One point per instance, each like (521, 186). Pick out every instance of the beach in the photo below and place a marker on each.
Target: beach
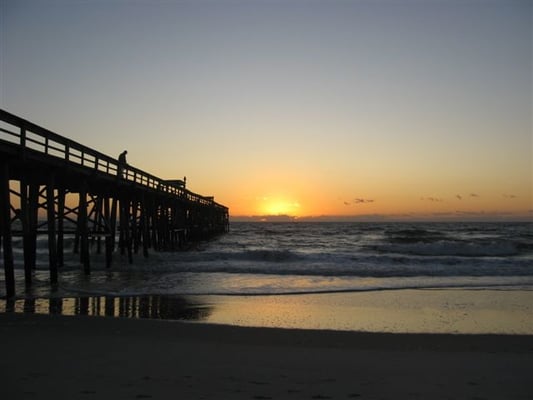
(284, 311)
(68, 357)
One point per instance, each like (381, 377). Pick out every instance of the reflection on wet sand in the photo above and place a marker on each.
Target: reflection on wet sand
(153, 307)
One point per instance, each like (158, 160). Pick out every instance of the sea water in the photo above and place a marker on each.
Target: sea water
(377, 277)
(261, 258)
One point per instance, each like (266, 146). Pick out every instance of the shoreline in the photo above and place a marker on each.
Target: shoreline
(397, 311)
(74, 357)
(62, 326)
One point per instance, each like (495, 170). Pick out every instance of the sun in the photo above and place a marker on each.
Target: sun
(279, 206)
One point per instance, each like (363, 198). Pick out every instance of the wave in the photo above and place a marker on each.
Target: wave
(226, 284)
(415, 235)
(454, 248)
(269, 255)
(337, 265)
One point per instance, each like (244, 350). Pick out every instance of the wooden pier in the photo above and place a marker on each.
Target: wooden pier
(52, 185)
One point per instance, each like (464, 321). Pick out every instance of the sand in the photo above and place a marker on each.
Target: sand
(393, 311)
(66, 357)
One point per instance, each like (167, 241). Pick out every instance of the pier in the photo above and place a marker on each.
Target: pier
(51, 185)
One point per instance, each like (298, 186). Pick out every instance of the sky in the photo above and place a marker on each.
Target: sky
(384, 109)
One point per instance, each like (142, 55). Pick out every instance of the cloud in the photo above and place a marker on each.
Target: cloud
(459, 197)
(510, 196)
(474, 195)
(459, 212)
(432, 199)
(360, 200)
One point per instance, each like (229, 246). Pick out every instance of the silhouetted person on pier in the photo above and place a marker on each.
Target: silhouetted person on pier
(122, 163)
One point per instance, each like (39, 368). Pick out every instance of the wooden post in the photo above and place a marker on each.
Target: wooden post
(153, 216)
(51, 219)
(110, 232)
(134, 227)
(98, 223)
(172, 227)
(122, 226)
(83, 230)
(5, 223)
(127, 233)
(160, 227)
(165, 228)
(33, 215)
(145, 227)
(113, 222)
(26, 231)
(61, 193)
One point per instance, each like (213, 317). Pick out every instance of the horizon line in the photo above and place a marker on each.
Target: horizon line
(442, 217)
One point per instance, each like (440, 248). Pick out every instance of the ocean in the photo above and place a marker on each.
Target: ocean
(260, 258)
(282, 260)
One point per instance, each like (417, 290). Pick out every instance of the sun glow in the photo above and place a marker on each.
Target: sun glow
(279, 206)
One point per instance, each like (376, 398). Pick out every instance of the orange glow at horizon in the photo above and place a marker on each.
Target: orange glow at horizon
(393, 202)
(279, 206)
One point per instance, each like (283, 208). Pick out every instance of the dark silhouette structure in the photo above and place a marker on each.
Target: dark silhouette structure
(87, 194)
(122, 163)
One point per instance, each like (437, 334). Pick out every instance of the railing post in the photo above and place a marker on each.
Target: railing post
(23, 140)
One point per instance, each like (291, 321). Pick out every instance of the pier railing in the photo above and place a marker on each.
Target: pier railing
(28, 136)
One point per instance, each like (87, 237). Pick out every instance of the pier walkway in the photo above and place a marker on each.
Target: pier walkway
(51, 185)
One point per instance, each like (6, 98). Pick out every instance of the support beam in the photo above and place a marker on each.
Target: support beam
(97, 225)
(51, 222)
(122, 226)
(110, 232)
(26, 232)
(144, 226)
(83, 230)
(135, 238)
(61, 193)
(127, 233)
(33, 215)
(5, 223)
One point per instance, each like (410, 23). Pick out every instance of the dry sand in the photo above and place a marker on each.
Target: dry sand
(54, 357)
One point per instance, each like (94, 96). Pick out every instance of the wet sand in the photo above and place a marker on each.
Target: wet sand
(457, 311)
(67, 357)
(483, 311)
